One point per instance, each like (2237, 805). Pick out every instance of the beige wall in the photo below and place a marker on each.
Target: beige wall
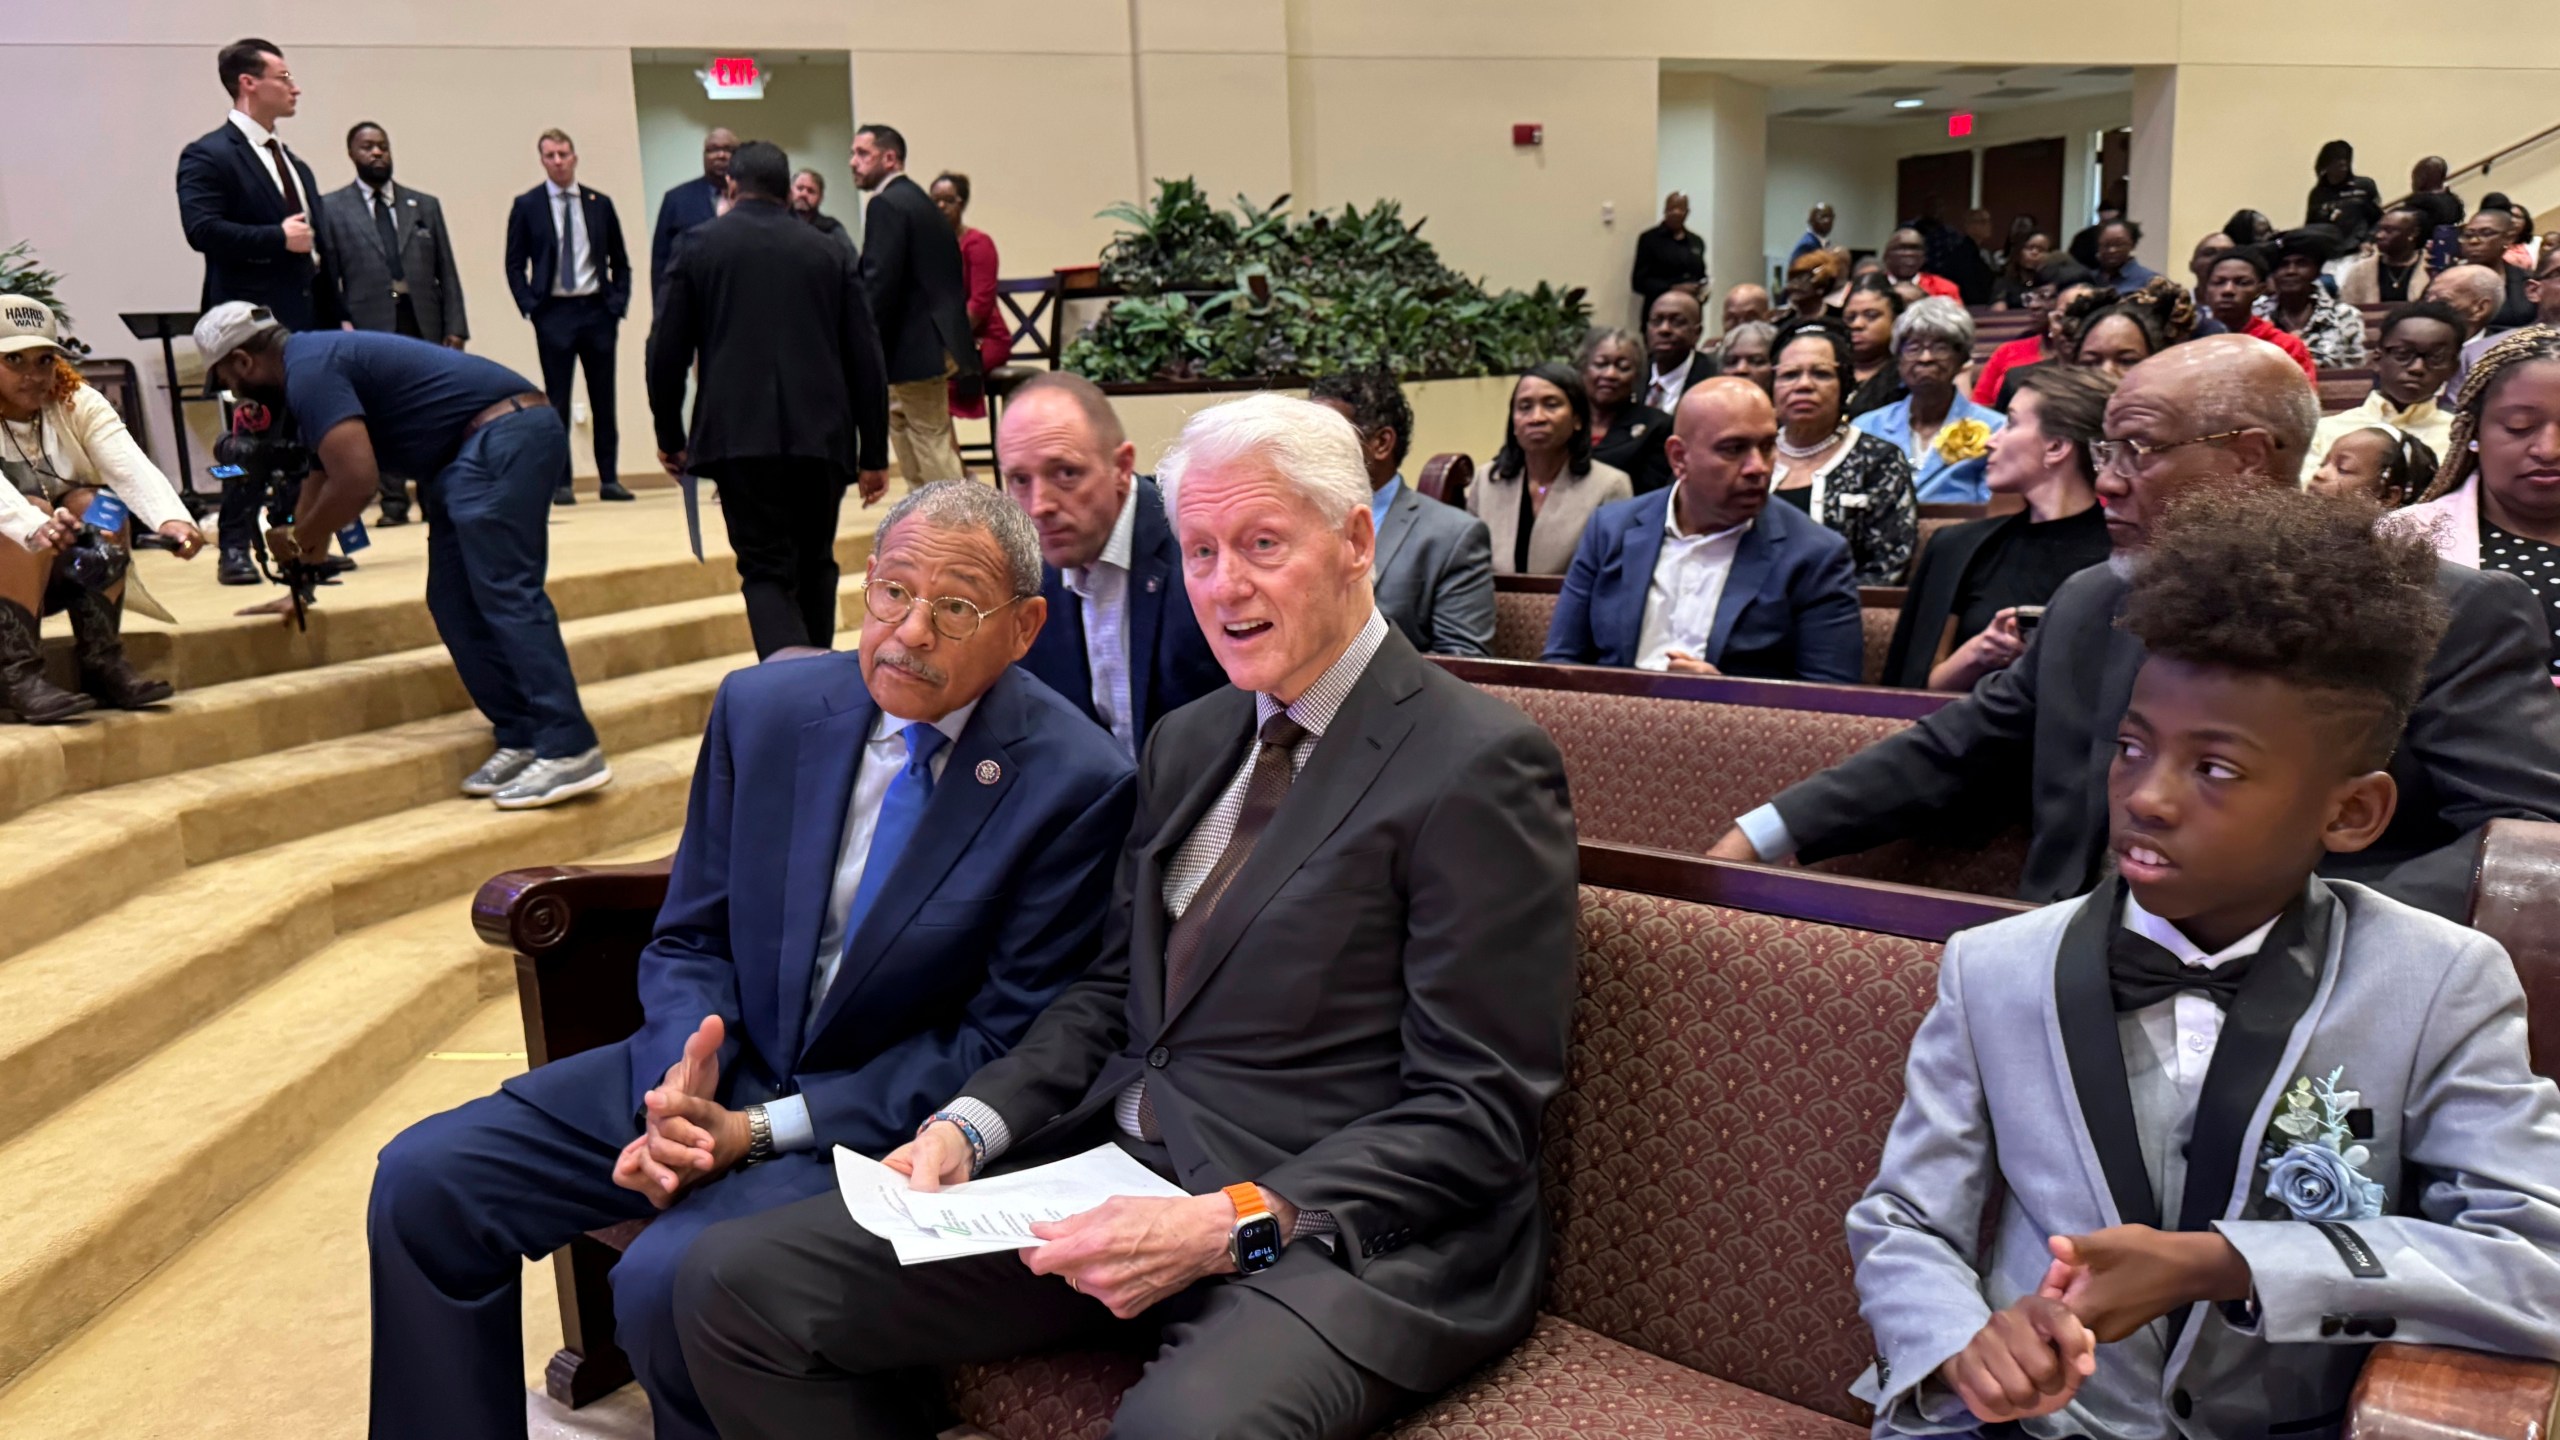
(1713, 142)
(1060, 107)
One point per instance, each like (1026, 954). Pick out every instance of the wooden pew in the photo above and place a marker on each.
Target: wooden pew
(1879, 610)
(1524, 606)
(1736, 1058)
(1626, 733)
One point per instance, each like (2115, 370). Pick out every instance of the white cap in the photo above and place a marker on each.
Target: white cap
(228, 326)
(26, 325)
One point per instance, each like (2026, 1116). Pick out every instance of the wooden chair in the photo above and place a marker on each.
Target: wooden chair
(1032, 312)
(1445, 478)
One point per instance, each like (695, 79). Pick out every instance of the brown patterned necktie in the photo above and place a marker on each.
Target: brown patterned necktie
(1273, 771)
(285, 179)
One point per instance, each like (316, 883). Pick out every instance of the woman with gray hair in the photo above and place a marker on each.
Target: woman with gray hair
(1750, 351)
(1945, 436)
(1628, 433)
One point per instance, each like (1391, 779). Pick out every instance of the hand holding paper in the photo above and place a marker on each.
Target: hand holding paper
(987, 1216)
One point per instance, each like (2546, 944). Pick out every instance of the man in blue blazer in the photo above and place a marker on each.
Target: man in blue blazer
(1122, 643)
(690, 203)
(892, 862)
(571, 277)
(1707, 577)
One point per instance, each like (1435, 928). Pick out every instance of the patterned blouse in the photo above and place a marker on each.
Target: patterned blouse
(2532, 561)
(1867, 497)
(2334, 333)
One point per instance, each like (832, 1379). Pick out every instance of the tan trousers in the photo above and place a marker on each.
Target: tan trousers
(920, 432)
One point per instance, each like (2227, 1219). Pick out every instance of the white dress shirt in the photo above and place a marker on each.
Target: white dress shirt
(2184, 1029)
(582, 263)
(883, 756)
(1687, 587)
(1663, 391)
(286, 182)
(1102, 595)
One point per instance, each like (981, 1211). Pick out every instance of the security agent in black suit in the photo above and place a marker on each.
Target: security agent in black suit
(789, 404)
(394, 264)
(693, 202)
(1336, 976)
(574, 284)
(1121, 641)
(920, 295)
(2037, 737)
(251, 207)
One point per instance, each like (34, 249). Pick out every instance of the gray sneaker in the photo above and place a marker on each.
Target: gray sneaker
(548, 782)
(495, 772)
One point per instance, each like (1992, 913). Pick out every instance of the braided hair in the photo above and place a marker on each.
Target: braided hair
(2516, 347)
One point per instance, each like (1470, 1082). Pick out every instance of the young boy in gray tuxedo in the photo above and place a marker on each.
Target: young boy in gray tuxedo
(2243, 1122)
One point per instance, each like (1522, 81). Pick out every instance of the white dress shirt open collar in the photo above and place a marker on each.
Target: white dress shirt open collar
(1102, 595)
(1117, 550)
(1686, 590)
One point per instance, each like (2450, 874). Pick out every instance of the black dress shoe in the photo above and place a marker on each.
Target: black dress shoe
(391, 518)
(336, 564)
(564, 496)
(236, 568)
(613, 490)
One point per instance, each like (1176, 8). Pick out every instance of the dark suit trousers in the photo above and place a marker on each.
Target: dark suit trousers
(798, 1322)
(781, 513)
(569, 331)
(461, 1200)
(487, 553)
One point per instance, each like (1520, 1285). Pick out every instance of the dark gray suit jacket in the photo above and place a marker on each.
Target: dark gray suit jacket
(2037, 737)
(1378, 1017)
(426, 262)
(1434, 575)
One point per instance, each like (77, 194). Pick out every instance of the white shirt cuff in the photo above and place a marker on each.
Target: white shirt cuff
(1767, 833)
(788, 1116)
(990, 1125)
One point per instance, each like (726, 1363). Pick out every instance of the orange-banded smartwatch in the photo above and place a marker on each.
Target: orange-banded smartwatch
(1254, 1243)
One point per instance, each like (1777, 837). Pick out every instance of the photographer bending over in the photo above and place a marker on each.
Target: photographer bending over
(59, 442)
(489, 451)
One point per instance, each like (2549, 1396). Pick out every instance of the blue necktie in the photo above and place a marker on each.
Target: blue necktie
(900, 811)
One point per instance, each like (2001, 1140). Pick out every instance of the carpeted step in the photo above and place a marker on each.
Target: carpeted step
(79, 857)
(125, 1165)
(103, 996)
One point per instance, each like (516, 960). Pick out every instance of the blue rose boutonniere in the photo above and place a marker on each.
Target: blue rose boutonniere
(2314, 1165)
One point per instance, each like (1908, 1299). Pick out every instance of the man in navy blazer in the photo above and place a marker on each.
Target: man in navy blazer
(1122, 642)
(690, 203)
(892, 862)
(1707, 577)
(575, 288)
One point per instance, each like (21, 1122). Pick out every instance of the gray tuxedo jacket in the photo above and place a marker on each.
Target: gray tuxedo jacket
(1434, 575)
(2018, 1076)
(426, 260)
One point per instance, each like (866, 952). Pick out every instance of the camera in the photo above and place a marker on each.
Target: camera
(97, 559)
(2029, 617)
(262, 452)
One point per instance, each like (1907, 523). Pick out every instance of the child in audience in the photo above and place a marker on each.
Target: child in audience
(2243, 1122)
(2378, 463)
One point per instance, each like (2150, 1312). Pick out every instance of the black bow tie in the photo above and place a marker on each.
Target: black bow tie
(2143, 972)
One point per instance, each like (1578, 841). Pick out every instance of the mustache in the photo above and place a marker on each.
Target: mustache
(899, 658)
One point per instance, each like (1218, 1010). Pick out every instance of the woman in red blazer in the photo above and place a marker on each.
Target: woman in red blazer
(950, 191)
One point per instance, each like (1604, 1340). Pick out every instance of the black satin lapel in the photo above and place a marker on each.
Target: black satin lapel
(2256, 1032)
(2085, 1007)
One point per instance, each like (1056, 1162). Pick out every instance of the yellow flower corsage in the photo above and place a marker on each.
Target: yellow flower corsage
(1964, 440)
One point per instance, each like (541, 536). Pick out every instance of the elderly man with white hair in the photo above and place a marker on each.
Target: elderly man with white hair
(2036, 738)
(1331, 1007)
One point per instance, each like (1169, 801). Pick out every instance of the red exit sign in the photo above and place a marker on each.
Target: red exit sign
(733, 77)
(1960, 125)
(733, 70)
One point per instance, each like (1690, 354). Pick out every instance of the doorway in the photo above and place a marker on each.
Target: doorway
(2024, 179)
(1940, 185)
(806, 108)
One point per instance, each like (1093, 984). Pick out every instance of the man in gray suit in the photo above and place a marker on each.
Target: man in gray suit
(2245, 1120)
(1330, 1005)
(1434, 574)
(394, 264)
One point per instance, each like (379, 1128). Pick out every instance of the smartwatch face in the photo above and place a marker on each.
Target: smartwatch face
(1256, 1244)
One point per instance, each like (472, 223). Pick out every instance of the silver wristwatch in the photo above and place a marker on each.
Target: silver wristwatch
(759, 1138)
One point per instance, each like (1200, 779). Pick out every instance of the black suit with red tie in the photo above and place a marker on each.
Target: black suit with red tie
(234, 212)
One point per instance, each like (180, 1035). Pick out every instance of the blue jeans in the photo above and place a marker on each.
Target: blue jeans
(488, 545)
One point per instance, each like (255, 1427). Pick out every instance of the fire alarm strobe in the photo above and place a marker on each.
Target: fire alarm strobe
(1528, 134)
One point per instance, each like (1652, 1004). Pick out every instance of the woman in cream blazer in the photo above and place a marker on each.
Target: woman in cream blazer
(1543, 486)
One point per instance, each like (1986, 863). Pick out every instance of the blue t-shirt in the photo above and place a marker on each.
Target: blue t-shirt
(413, 397)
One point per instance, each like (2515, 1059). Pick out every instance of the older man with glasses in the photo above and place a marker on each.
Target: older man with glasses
(891, 863)
(2226, 410)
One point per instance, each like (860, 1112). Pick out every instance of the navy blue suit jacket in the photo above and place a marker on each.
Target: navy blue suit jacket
(996, 904)
(1170, 664)
(679, 210)
(234, 216)
(533, 248)
(1790, 605)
